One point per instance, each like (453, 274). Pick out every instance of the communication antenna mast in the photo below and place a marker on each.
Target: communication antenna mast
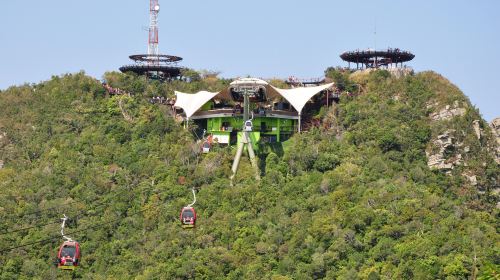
(153, 64)
(154, 10)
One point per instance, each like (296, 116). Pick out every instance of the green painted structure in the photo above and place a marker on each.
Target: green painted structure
(226, 124)
(275, 114)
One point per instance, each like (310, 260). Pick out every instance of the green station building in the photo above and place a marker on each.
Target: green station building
(274, 113)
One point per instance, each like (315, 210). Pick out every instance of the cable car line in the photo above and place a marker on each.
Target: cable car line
(86, 214)
(28, 228)
(86, 228)
(29, 244)
(55, 207)
(77, 231)
(49, 223)
(57, 221)
(43, 210)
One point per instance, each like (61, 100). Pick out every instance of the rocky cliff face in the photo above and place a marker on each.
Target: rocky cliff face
(448, 112)
(461, 144)
(444, 153)
(3, 140)
(495, 127)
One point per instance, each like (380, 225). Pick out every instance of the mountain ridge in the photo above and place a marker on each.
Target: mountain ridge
(353, 198)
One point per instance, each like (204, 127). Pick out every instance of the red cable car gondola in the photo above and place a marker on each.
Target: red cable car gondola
(68, 256)
(205, 148)
(188, 217)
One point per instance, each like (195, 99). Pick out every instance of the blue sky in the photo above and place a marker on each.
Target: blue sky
(273, 38)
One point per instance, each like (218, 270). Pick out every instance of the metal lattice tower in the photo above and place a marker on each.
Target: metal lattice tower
(154, 10)
(153, 64)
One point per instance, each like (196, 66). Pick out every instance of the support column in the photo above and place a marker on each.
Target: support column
(251, 154)
(237, 158)
(245, 140)
(278, 129)
(246, 108)
(299, 121)
(327, 95)
(239, 152)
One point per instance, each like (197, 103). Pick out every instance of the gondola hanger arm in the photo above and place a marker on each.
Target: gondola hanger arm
(62, 228)
(194, 199)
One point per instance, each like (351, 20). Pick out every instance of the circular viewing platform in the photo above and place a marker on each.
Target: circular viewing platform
(160, 66)
(161, 58)
(377, 58)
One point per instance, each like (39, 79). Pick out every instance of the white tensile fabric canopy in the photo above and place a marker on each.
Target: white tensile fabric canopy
(249, 81)
(191, 103)
(298, 97)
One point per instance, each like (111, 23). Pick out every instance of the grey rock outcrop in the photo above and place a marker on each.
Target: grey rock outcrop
(477, 129)
(443, 155)
(397, 72)
(3, 143)
(447, 112)
(471, 178)
(495, 127)
(2, 136)
(400, 72)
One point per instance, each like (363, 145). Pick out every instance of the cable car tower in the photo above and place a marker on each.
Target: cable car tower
(247, 90)
(153, 64)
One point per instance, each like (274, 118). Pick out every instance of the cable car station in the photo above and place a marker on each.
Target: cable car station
(274, 114)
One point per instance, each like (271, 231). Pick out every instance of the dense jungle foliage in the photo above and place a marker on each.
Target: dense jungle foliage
(351, 199)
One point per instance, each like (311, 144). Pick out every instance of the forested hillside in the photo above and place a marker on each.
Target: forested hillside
(355, 198)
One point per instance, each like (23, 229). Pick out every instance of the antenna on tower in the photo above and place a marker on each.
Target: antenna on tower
(154, 10)
(153, 64)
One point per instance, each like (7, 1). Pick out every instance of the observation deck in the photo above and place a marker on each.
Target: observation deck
(377, 58)
(160, 66)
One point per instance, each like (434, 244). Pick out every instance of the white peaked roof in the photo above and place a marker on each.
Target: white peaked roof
(191, 103)
(247, 81)
(298, 97)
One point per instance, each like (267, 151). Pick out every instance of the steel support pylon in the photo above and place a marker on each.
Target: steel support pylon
(245, 141)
